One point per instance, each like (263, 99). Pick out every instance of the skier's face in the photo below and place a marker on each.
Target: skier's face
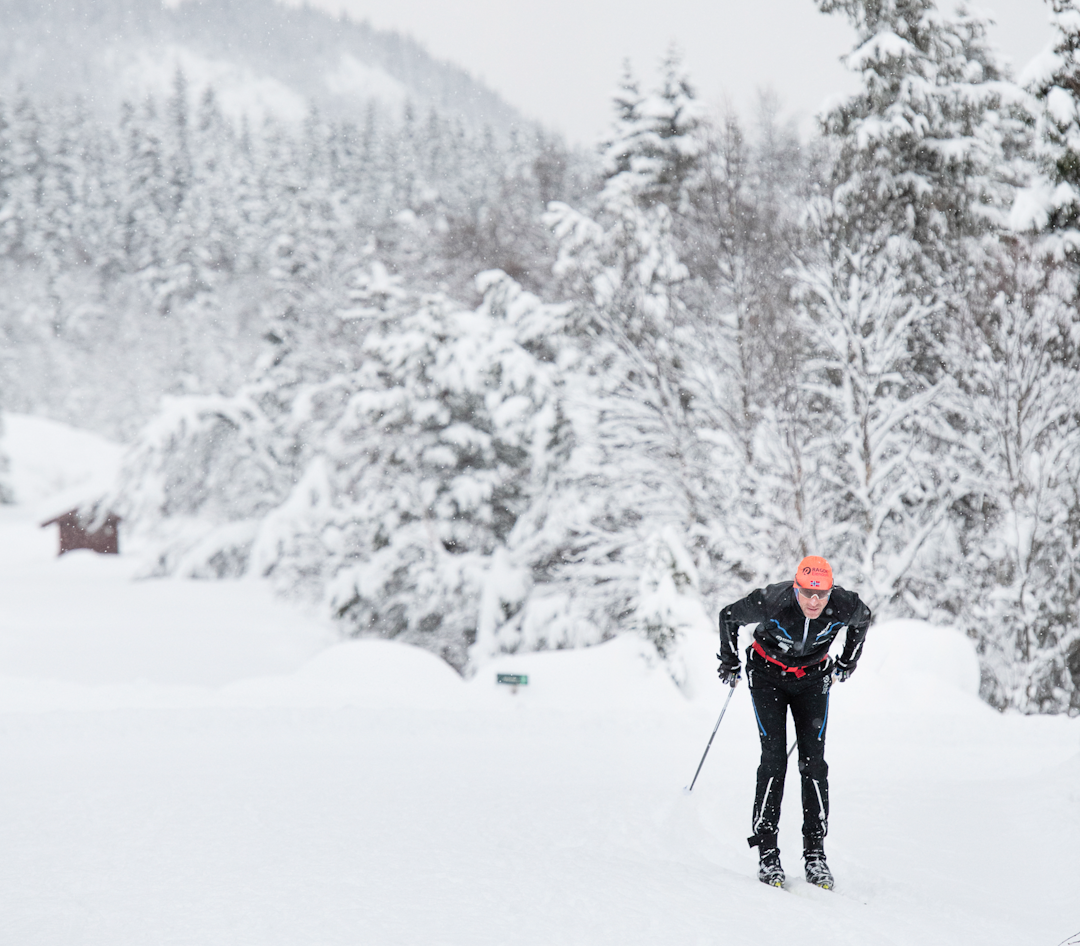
(812, 601)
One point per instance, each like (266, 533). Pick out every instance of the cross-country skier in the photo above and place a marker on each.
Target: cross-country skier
(788, 666)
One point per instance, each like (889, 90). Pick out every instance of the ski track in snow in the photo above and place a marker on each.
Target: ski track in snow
(196, 763)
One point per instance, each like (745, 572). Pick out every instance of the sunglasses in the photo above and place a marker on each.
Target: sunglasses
(822, 594)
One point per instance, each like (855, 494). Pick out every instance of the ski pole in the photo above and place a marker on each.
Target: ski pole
(716, 727)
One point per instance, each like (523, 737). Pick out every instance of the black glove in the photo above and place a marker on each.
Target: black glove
(730, 671)
(842, 670)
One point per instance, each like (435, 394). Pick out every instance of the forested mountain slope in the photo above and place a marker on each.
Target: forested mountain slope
(259, 54)
(173, 180)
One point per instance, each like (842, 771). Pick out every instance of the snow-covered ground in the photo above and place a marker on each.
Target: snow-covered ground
(196, 763)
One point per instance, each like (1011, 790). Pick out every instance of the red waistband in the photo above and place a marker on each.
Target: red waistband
(798, 671)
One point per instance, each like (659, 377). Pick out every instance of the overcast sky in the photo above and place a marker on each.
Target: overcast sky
(560, 60)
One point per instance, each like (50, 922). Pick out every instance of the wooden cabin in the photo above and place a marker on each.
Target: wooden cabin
(87, 532)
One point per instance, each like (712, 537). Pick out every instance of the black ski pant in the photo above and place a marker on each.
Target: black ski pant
(773, 694)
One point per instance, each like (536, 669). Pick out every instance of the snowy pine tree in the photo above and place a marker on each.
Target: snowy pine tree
(658, 471)
(446, 443)
(921, 144)
(1050, 204)
(655, 152)
(737, 239)
(921, 182)
(617, 151)
(871, 437)
(1015, 531)
(1021, 392)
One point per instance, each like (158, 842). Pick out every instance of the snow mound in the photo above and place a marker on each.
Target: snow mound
(624, 672)
(904, 648)
(361, 673)
(911, 666)
(52, 463)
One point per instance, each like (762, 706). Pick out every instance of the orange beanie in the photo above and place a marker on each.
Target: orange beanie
(813, 572)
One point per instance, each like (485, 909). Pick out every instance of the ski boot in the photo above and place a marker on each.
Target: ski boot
(817, 870)
(769, 870)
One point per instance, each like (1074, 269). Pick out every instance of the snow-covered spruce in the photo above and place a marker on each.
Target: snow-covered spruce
(1050, 203)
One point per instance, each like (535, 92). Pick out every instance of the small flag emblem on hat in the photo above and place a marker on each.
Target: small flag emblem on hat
(814, 572)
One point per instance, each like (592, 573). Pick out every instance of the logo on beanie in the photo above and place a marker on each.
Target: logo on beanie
(814, 572)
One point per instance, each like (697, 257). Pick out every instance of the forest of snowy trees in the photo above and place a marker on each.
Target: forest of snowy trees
(460, 386)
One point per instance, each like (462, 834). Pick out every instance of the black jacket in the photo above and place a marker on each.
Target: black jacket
(788, 635)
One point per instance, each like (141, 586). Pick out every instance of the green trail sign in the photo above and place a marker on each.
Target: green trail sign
(512, 679)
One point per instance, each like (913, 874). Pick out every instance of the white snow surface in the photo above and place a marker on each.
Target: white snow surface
(194, 762)
(242, 92)
(356, 79)
(239, 90)
(53, 463)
